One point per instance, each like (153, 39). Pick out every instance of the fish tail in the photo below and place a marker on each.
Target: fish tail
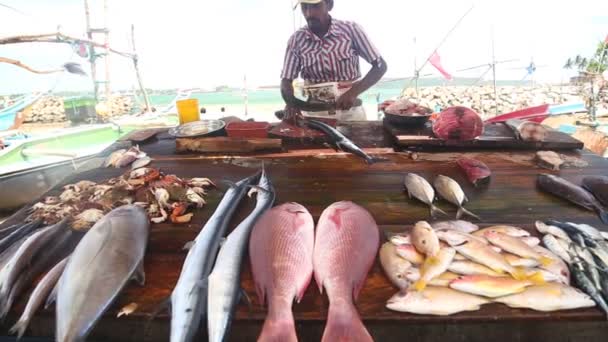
(462, 211)
(344, 324)
(19, 328)
(420, 285)
(278, 330)
(520, 273)
(435, 210)
(432, 260)
(603, 215)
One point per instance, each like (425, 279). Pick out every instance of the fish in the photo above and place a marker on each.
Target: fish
(485, 255)
(107, 257)
(344, 227)
(189, 297)
(443, 280)
(113, 158)
(418, 188)
(584, 283)
(139, 163)
(546, 276)
(401, 239)
(476, 171)
(471, 268)
(459, 225)
(23, 258)
(517, 261)
(38, 297)
(281, 252)
(341, 142)
(507, 230)
(451, 191)
(396, 268)
(410, 253)
(590, 266)
(432, 268)
(439, 301)
(19, 233)
(224, 280)
(551, 242)
(487, 286)
(598, 186)
(454, 237)
(571, 192)
(548, 297)
(424, 239)
(531, 241)
(553, 230)
(515, 246)
(557, 267)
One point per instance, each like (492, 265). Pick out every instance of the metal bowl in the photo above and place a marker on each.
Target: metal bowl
(407, 120)
(197, 129)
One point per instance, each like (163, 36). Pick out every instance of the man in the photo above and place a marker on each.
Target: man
(328, 50)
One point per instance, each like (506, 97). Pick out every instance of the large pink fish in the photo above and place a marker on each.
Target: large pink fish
(281, 247)
(346, 244)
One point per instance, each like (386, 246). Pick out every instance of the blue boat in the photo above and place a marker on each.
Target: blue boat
(7, 115)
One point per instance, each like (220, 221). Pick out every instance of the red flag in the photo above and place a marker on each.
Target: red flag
(435, 60)
(606, 40)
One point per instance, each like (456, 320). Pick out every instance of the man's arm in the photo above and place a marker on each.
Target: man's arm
(366, 49)
(349, 98)
(293, 102)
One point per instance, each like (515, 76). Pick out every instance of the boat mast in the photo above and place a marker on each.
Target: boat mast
(93, 55)
(494, 72)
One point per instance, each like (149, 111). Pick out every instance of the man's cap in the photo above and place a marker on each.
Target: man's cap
(312, 2)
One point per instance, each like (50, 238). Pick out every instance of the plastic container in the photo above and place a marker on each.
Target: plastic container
(187, 111)
(248, 129)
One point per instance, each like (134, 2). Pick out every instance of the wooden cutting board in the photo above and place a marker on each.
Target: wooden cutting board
(227, 145)
(495, 136)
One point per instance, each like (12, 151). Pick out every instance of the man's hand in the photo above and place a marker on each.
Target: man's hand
(347, 101)
(292, 115)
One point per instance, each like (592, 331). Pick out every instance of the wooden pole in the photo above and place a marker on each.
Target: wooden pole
(137, 73)
(57, 37)
(107, 50)
(92, 53)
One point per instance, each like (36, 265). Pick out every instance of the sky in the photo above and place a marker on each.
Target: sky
(185, 43)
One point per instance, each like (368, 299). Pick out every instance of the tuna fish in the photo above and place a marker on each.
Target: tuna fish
(346, 244)
(102, 264)
(418, 188)
(281, 252)
(564, 189)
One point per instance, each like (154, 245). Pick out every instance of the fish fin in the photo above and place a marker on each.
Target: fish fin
(140, 276)
(432, 260)
(545, 261)
(19, 328)
(344, 324)
(340, 148)
(279, 329)
(52, 297)
(537, 278)
(463, 211)
(244, 296)
(435, 210)
(188, 246)
(335, 148)
(419, 285)
(256, 188)
(603, 215)
(520, 273)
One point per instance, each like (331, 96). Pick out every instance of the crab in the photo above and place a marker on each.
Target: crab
(201, 182)
(177, 214)
(193, 197)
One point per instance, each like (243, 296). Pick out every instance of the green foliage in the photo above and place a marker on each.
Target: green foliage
(596, 64)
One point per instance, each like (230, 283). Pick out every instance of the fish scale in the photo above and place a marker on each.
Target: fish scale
(281, 250)
(340, 271)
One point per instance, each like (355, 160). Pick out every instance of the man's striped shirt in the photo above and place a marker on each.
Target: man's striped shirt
(333, 58)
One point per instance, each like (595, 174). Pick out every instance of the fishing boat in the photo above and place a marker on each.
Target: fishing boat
(7, 115)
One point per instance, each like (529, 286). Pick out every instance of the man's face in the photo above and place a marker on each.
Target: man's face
(316, 14)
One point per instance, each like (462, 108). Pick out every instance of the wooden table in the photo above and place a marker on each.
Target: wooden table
(317, 178)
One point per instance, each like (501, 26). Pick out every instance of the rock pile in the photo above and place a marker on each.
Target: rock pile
(46, 110)
(116, 106)
(482, 98)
